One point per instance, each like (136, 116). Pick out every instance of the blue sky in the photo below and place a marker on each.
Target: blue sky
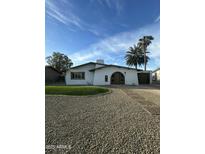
(86, 30)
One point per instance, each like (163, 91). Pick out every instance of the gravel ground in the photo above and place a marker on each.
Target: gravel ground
(112, 123)
(147, 96)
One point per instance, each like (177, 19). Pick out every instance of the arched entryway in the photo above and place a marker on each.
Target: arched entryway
(117, 78)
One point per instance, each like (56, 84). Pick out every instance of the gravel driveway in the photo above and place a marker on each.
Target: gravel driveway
(112, 123)
(147, 96)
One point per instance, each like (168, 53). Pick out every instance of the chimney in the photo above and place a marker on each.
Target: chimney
(100, 61)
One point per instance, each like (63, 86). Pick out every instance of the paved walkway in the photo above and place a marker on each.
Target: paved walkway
(113, 123)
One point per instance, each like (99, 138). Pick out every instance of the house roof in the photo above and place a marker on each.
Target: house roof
(114, 66)
(53, 69)
(156, 69)
(85, 64)
(105, 65)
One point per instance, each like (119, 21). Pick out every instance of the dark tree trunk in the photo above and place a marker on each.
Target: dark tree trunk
(136, 67)
(145, 60)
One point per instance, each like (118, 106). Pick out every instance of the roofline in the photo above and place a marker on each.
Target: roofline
(156, 69)
(87, 64)
(115, 66)
(82, 65)
(105, 65)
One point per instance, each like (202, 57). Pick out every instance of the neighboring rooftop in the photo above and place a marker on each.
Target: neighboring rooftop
(156, 69)
(47, 66)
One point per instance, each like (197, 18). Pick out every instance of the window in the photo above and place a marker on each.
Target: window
(77, 75)
(106, 78)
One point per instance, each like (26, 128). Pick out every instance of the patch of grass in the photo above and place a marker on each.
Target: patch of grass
(74, 90)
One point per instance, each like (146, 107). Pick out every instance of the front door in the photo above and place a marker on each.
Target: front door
(117, 78)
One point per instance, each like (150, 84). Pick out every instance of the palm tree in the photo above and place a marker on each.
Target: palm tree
(134, 56)
(143, 44)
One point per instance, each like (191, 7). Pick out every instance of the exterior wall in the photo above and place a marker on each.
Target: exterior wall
(130, 76)
(88, 75)
(150, 77)
(156, 75)
(51, 75)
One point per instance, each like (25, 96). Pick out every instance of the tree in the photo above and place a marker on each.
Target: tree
(143, 44)
(59, 61)
(134, 56)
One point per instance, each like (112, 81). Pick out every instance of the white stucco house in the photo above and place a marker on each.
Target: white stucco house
(156, 75)
(98, 73)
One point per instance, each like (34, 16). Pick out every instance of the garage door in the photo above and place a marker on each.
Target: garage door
(144, 78)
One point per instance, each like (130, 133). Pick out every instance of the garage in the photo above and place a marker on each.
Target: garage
(144, 78)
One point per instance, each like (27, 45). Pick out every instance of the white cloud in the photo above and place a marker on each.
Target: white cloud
(79, 57)
(157, 19)
(73, 21)
(108, 3)
(67, 18)
(111, 4)
(112, 49)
